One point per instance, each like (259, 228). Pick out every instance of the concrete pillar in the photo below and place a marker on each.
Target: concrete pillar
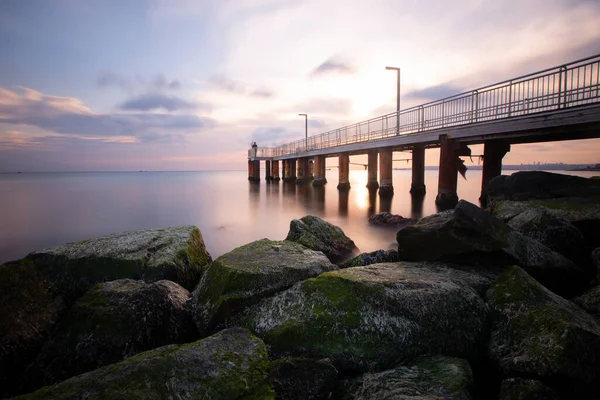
(275, 169)
(386, 187)
(372, 170)
(254, 169)
(450, 150)
(319, 169)
(303, 175)
(292, 170)
(268, 175)
(417, 188)
(249, 170)
(493, 152)
(289, 170)
(311, 169)
(344, 171)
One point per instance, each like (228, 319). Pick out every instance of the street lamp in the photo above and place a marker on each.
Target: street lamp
(397, 99)
(305, 131)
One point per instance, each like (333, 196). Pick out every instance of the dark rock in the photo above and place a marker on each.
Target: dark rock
(392, 220)
(590, 301)
(30, 306)
(374, 257)
(249, 273)
(320, 235)
(177, 254)
(231, 364)
(303, 379)
(525, 389)
(538, 334)
(469, 235)
(596, 262)
(428, 378)
(111, 322)
(375, 316)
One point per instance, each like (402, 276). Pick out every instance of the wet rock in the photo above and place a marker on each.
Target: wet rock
(469, 235)
(590, 301)
(538, 334)
(596, 262)
(30, 306)
(375, 316)
(374, 257)
(320, 235)
(177, 254)
(303, 379)
(428, 378)
(111, 322)
(391, 220)
(249, 273)
(525, 389)
(231, 364)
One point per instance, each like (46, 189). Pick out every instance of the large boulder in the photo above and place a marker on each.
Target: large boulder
(320, 235)
(177, 254)
(528, 185)
(111, 322)
(470, 235)
(525, 389)
(249, 273)
(429, 378)
(231, 364)
(30, 306)
(303, 379)
(390, 220)
(538, 334)
(375, 316)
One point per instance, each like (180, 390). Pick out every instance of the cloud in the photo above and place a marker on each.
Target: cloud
(267, 136)
(156, 101)
(434, 92)
(240, 88)
(321, 106)
(332, 67)
(159, 82)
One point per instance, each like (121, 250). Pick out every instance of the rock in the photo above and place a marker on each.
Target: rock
(429, 378)
(249, 273)
(538, 334)
(525, 389)
(320, 235)
(393, 220)
(177, 254)
(596, 262)
(30, 306)
(303, 379)
(111, 322)
(554, 233)
(231, 364)
(528, 185)
(374, 257)
(590, 301)
(469, 235)
(375, 316)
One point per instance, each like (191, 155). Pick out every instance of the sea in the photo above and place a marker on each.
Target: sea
(40, 210)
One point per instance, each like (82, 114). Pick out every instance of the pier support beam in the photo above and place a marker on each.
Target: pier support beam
(254, 170)
(417, 188)
(493, 153)
(344, 171)
(275, 169)
(319, 170)
(268, 175)
(450, 150)
(303, 173)
(372, 183)
(385, 173)
(249, 169)
(289, 170)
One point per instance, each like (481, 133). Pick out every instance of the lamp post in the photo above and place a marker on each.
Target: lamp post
(397, 98)
(305, 131)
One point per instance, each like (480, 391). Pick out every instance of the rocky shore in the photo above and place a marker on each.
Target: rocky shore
(497, 303)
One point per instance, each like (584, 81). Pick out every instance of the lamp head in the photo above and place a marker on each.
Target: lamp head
(392, 68)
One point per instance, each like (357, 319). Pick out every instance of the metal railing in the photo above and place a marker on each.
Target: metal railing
(573, 84)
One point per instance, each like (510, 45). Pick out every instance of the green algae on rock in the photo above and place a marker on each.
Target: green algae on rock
(538, 334)
(303, 379)
(429, 378)
(525, 389)
(113, 321)
(231, 364)
(177, 254)
(374, 316)
(320, 235)
(30, 306)
(247, 274)
(374, 257)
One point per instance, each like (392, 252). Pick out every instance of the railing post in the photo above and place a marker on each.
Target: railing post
(443, 112)
(509, 97)
(564, 104)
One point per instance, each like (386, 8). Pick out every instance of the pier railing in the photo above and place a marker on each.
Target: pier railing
(573, 84)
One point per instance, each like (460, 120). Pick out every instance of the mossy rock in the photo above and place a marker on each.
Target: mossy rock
(429, 378)
(470, 235)
(320, 235)
(113, 321)
(375, 316)
(30, 306)
(249, 273)
(231, 364)
(303, 379)
(538, 334)
(525, 389)
(177, 254)
(374, 257)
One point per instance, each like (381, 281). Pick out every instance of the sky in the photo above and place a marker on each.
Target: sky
(102, 85)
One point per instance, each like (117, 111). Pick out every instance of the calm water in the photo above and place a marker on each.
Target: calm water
(41, 210)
